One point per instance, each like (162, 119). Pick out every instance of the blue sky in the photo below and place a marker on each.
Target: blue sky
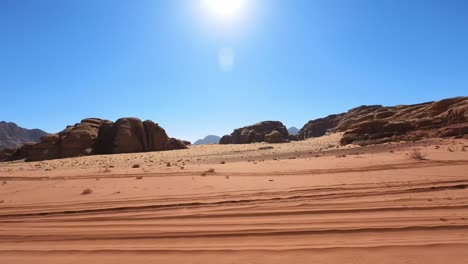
(289, 60)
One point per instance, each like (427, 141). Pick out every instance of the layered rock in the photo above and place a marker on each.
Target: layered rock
(267, 131)
(98, 136)
(377, 124)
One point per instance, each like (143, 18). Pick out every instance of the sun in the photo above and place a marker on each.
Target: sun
(225, 9)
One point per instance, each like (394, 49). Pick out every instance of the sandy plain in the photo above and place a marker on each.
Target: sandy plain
(301, 202)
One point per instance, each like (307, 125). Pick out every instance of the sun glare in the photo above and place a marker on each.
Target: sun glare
(225, 9)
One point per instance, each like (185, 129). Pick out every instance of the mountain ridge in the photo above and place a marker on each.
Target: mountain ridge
(210, 139)
(12, 135)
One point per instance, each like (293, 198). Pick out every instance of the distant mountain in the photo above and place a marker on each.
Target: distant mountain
(11, 135)
(293, 131)
(211, 139)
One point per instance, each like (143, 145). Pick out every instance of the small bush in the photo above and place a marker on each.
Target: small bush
(139, 177)
(417, 155)
(266, 147)
(135, 166)
(86, 191)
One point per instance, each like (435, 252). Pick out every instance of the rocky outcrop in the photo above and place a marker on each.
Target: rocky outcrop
(226, 139)
(319, 127)
(274, 137)
(98, 136)
(267, 131)
(374, 124)
(12, 136)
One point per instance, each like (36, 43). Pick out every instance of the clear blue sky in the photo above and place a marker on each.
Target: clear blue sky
(65, 60)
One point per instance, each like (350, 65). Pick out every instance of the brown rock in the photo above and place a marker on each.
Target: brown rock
(130, 136)
(256, 133)
(225, 140)
(377, 124)
(77, 140)
(174, 143)
(7, 153)
(97, 136)
(156, 136)
(274, 137)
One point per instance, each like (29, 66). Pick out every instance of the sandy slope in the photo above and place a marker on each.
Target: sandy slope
(289, 204)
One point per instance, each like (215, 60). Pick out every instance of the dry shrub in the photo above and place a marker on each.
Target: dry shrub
(135, 166)
(86, 191)
(416, 154)
(223, 162)
(139, 177)
(266, 147)
(207, 172)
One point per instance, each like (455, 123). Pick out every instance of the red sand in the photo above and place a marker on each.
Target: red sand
(284, 205)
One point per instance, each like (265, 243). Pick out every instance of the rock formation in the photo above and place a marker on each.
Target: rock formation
(97, 136)
(11, 135)
(267, 131)
(211, 139)
(375, 124)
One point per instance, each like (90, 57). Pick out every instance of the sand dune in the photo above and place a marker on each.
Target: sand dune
(289, 204)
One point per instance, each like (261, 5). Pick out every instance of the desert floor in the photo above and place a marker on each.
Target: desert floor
(301, 202)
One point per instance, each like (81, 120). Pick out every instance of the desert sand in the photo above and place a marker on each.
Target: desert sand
(302, 202)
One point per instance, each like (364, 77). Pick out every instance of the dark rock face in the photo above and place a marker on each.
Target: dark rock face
(12, 136)
(260, 132)
(211, 139)
(318, 127)
(130, 136)
(80, 139)
(375, 124)
(225, 140)
(6, 153)
(274, 137)
(98, 136)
